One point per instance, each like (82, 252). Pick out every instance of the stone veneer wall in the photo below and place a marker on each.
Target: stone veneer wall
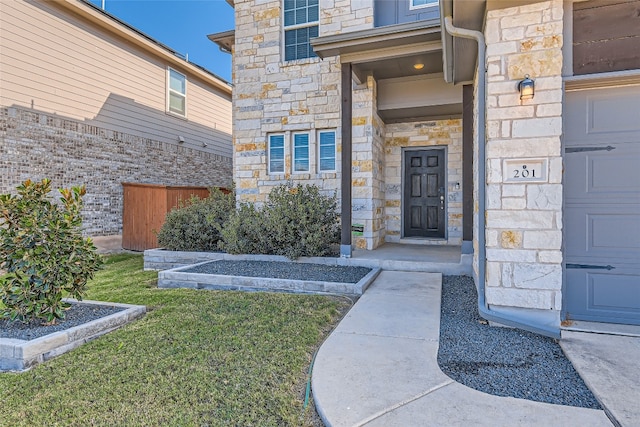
(524, 219)
(274, 96)
(368, 179)
(429, 134)
(36, 145)
(343, 16)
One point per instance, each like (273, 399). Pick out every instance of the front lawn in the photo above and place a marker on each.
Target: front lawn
(197, 358)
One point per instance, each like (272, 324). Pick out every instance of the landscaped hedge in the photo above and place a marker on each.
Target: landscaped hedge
(196, 224)
(296, 220)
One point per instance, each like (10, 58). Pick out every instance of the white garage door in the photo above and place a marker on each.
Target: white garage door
(602, 204)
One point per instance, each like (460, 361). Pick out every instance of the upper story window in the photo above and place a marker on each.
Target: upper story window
(300, 26)
(418, 4)
(177, 93)
(276, 153)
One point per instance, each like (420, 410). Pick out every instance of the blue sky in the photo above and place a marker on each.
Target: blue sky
(182, 25)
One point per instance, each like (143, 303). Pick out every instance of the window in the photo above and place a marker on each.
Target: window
(327, 157)
(301, 152)
(300, 25)
(276, 154)
(418, 4)
(177, 93)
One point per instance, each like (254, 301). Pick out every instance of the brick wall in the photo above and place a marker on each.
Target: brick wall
(36, 145)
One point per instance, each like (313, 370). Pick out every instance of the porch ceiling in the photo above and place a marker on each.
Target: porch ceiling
(387, 52)
(391, 53)
(429, 112)
(402, 66)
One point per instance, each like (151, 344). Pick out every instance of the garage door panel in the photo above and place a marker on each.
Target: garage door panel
(602, 205)
(612, 296)
(612, 113)
(595, 116)
(601, 175)
(594, 231)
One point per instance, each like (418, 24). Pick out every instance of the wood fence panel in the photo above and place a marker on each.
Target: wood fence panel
(144, 209)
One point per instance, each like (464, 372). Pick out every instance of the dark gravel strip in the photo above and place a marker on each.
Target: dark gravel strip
(502, 361)
(78, 314)
(283, 270)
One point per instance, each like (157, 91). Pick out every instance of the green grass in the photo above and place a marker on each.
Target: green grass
(196, 358)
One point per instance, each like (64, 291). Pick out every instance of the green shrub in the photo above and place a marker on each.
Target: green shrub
(196, 224)
(43, 252)
(295, 221)
(244, 232)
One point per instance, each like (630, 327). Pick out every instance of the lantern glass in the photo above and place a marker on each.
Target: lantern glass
(526, 88)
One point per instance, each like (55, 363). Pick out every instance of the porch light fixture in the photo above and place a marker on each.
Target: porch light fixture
(526, 88)
(418, 65)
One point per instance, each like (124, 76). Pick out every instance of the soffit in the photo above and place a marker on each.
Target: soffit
(387, 52)
(225, 40)
(402, 66)
(432, 112)
(460, 55)
(390, 36)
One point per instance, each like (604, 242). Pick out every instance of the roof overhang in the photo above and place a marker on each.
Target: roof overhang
(386, 52)
(390, 36)
(390, 54)
(225, 40)
(115, 26)
(459, 56)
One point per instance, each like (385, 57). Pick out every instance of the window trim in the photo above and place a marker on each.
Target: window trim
(335, 151)
(173, 91)
(412, 6)
(294, 27)
(284, 160)
(293, 153)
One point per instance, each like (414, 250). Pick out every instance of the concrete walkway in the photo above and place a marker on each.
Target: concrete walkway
(610, 366)
(379, 368)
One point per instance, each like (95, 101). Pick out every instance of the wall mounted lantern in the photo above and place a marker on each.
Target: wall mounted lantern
(526, 88)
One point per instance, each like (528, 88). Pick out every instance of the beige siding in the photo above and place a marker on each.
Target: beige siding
(57, 63)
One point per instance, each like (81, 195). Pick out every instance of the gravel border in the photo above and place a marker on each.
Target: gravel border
(503, 361)
(78, 314)
(283, 270)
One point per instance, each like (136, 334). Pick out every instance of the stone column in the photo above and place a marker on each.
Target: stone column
(524, 213)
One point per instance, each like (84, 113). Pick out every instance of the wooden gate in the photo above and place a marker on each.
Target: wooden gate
(145, 208)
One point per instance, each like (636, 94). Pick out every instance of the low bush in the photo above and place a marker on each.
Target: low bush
(43, 252)
(296, 220)
(244, 232)
(196, 224)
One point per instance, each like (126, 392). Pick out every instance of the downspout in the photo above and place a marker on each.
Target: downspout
(483, 308)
